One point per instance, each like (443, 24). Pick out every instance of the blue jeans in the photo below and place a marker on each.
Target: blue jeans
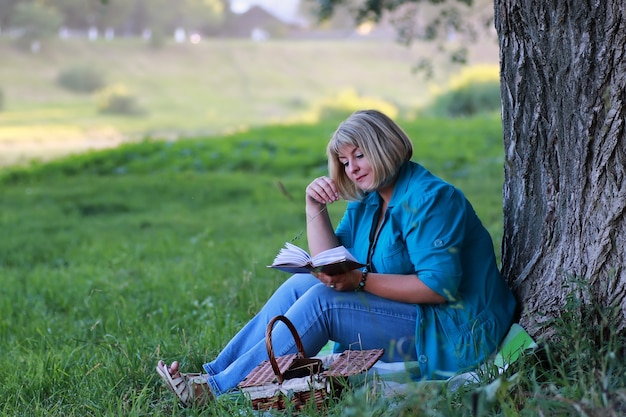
(356, 320)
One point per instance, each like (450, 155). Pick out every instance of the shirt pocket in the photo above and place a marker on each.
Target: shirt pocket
(394, 259)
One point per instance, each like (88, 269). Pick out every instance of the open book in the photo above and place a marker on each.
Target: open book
(333, 261)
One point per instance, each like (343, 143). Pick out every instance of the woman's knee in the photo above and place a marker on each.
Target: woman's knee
(294, 287)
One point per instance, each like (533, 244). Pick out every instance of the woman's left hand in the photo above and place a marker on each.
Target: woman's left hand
(348, 281)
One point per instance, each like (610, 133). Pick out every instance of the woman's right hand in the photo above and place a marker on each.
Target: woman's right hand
(322, 191)
(321, 235)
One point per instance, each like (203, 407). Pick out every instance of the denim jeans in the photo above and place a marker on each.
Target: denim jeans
(356, 320)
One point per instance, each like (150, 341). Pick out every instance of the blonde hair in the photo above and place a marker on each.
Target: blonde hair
(385, 145)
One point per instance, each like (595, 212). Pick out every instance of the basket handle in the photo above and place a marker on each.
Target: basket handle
(270, 348)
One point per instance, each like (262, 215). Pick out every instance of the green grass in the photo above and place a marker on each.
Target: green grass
(111, 260)
(107, 274)
(114, 259)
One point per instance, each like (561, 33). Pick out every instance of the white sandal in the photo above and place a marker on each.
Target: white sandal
(184, 386)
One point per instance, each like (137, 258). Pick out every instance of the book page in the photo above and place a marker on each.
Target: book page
(331, 256)
(292, 255)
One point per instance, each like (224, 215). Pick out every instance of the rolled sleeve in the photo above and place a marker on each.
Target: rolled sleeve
(435, 240)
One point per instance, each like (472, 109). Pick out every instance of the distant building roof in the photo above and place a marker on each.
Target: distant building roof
(256, 20)
(283, 10)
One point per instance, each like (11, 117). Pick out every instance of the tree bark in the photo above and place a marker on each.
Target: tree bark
(563, 78)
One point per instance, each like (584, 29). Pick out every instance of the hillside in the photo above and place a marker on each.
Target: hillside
(211, 87)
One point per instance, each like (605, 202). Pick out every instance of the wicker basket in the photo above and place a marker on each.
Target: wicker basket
(292, 381)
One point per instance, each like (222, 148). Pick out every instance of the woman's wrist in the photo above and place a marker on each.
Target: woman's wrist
(363, 278)
(312, 213)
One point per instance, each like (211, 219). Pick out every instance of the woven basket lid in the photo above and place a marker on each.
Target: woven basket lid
(353, 362)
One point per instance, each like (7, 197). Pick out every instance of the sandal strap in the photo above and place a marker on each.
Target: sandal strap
(184, 386)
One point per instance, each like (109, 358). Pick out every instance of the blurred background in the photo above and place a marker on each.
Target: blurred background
(91, 74)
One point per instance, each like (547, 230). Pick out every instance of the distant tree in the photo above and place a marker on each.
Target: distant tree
(192, 15)
(139, 18)
(451, 25)
(115, 16)
(77, 14)
(563, 92)
(130, 17)
(35, 22)
(6, 12)
(203, 15)
(85, 14)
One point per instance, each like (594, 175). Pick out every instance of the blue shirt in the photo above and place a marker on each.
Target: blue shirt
(430, 229)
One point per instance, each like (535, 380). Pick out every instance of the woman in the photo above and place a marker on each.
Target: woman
(431, 291)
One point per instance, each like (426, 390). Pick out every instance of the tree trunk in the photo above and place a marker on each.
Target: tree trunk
(563, 78)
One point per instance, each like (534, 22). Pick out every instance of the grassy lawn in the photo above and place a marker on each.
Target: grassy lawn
(111, 260)
(114, 259)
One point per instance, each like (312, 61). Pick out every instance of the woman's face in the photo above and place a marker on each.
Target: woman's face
(357, 167)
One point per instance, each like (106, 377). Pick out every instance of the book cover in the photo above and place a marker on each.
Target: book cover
(334, 261)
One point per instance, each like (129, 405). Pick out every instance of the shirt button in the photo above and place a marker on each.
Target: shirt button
(438, 243)
(422, 359)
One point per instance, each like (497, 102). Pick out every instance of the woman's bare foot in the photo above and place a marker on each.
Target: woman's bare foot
(173, 369)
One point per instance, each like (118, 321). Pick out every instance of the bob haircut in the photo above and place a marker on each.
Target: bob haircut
(385, 145)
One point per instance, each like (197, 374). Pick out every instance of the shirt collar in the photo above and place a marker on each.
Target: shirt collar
(399, 188)
(402, 182)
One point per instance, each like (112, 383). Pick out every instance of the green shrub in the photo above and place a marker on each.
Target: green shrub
(468, 100)
(81, 79)
(343, 104)
(117, 99)
(474, 90)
